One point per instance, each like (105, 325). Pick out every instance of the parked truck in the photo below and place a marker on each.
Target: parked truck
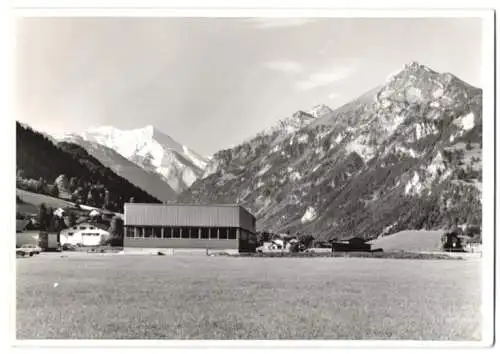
(48, 241)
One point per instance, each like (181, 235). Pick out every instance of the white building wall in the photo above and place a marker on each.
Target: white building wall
(85, 234)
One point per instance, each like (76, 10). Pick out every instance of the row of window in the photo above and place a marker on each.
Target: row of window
(85, 234)
(182, 232)
(83, 227)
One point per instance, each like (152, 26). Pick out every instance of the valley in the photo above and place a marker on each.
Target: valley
(405, 155)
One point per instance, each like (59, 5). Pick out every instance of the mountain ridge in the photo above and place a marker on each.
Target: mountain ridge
(404, 153)
(67, 169)
(152, 150)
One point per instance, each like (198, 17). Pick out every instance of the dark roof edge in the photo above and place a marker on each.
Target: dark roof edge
(188, 204)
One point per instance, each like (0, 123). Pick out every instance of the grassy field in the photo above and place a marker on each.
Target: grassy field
(410, 241)
(199, 297)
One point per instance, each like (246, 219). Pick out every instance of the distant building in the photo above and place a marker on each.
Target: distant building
(355, 244)
(452, 242)
(222, 227)
(84, 233)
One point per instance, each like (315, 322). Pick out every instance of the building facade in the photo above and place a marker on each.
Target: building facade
(217, 227)
(85, 234)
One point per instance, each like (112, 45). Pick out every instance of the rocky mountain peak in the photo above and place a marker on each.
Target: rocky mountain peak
(320, 111)
(405, 154)
(152, 150)
(301, 115)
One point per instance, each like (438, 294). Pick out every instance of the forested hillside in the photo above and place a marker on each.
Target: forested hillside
(68, 171)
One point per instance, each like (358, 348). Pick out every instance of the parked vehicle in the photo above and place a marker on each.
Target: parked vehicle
(68, 247)
(270, 247)
(28, 250)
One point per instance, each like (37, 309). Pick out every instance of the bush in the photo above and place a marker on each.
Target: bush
(294, 247)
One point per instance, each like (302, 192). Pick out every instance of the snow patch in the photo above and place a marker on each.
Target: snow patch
(295, 176)
(195, 158)
(276, 148)
(422, 130)
(385, 104)
(303, 138)
(466, 122)
(435, 104)
(413, 94)
(338, 139)
(437, 93)
(316, 167)
(393, 123)
(414, 186)
(309, 215)
(366, 152)
(263, 170)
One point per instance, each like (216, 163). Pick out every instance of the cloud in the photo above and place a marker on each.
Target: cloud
(333, 95)
(325, 77)
(277, 22)
(285, 66)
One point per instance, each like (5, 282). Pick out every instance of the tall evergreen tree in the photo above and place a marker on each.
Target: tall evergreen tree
(42, 217)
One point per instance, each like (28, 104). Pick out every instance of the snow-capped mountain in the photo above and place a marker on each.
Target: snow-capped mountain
(152, 150)
(405, 155)
(149, 181)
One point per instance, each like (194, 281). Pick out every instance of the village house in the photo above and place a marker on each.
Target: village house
(86, 233)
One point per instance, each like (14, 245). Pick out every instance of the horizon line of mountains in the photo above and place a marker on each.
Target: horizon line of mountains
(407, 154)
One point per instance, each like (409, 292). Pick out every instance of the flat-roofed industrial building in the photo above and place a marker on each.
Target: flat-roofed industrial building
(217, 226)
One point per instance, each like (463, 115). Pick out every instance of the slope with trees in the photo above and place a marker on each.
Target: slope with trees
(67, 170)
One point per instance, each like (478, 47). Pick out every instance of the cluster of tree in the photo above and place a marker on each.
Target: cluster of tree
(116, 233)
(48, 221)
(39, 160)
(39, 185)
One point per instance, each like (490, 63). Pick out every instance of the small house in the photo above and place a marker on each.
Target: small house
(84, 233)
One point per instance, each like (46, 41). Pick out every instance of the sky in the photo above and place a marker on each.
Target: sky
(211, 83)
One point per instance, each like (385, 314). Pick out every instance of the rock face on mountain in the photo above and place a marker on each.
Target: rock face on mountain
(153, 151)
(406, 155)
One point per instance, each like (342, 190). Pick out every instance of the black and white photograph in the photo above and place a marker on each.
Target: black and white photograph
(253, 176)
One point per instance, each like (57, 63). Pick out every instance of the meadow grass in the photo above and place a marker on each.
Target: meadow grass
(199, 297)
